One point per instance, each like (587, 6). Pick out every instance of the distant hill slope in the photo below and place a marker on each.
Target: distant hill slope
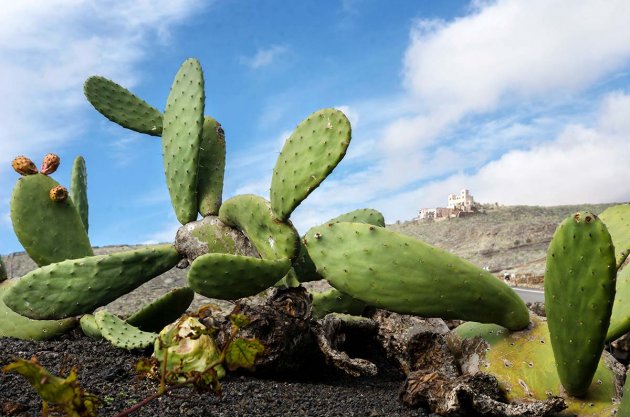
(513, 238)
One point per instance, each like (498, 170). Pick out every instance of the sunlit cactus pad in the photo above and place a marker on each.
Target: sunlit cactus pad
(79, 286)
(165, 310)
(50, 231)
(579, 293)
(121, 334)
(122, 107)
(181, 137)
(229, 277)
(20, 327)
(405, 275)
(308, 156)
(253, 216)
(523, 362)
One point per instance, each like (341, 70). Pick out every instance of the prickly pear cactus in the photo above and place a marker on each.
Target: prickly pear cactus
(181, 139)
(253, 216)
(50, 231)
(401, 274)
(211, 167)
(579, 294)
(121, 334)
(620, 316)
(20, 327)
(78, 189)
(154, 316)
(90, 327)
(617, 220)
(122, 107)
(524, 365)
(624, 407)
(305, 269)
(229, 277)
(79, 286)
(311, 153)
(334, 301)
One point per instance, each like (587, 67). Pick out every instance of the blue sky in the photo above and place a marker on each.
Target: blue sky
(521, 101)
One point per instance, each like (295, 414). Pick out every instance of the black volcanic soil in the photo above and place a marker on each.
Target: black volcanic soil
(108, 373)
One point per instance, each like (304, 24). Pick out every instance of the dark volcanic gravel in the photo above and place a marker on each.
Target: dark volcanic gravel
(108, 373)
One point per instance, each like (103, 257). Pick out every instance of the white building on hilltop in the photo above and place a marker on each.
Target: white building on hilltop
(464, 201)
(458, 205)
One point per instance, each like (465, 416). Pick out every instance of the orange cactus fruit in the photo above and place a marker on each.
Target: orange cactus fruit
(58, 193)
(50, 164)
(24, 166)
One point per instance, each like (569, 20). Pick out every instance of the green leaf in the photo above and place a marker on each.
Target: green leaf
(66, 393)
(241, 353)
(239, 320)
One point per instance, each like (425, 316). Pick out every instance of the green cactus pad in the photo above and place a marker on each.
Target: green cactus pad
(620, 316)
(121, 106)
(303, 265)
(79, 286)
(181, 139)
(617, 220)
(78, 189)
(365, 215)
(523, 363)
(334, 301)
(50, 231)
(3, 271)
(90, 327)
(309, 155)
(624, 407)
(252, 215)
(404, 275)
(121, 334)
(20, 327)
(165, 310)
(211, 167)
(579, 294)
(229, 277)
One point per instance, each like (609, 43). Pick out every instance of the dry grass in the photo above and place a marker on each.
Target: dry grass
(499, 237)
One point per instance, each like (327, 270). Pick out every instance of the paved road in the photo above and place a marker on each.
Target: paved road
(530, 295)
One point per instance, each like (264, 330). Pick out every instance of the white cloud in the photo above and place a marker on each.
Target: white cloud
(264, 56)
(504, 53)
(502, 101)
(581, 165)
(48, 49)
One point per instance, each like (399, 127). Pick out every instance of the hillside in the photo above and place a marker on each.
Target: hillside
(502, 238)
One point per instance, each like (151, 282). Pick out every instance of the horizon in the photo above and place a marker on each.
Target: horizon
(521, 102)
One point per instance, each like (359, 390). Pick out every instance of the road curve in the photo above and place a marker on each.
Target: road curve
(530, 295)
